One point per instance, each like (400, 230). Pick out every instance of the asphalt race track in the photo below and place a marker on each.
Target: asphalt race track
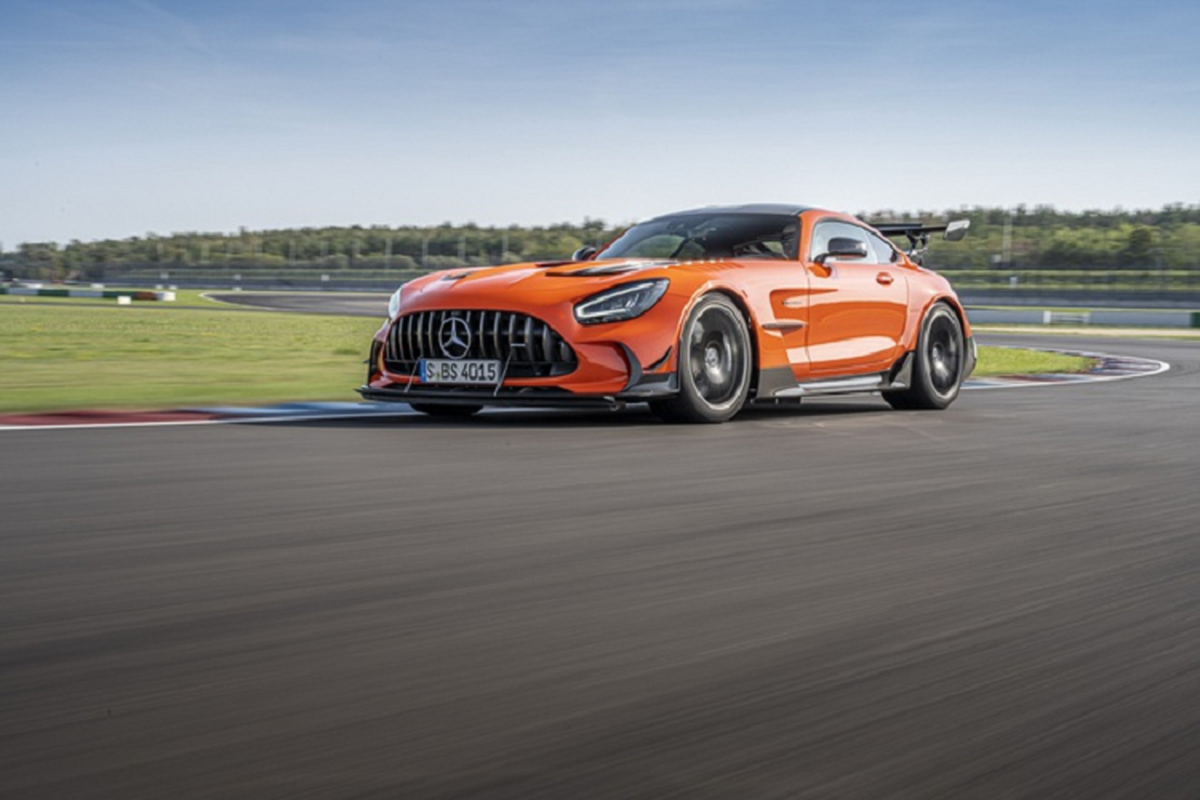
(836, 601)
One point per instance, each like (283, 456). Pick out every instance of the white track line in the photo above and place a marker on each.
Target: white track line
(224, 421)
(84, 425)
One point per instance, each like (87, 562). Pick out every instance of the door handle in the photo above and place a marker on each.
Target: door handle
(885, 278)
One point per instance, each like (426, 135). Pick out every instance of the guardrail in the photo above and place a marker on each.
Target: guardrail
(1014, 280)
(97, 294)
(1109, 280)
(1175, 288)
(1113, 317)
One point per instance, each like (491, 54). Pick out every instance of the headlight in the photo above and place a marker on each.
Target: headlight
(394, 305)
(622, 302)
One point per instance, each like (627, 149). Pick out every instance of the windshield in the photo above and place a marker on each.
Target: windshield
(703, 236)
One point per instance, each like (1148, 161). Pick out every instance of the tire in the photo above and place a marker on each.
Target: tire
(715, 364)
(444, 410)
(940, 360)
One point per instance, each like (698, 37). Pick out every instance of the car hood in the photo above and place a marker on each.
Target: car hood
(551, 281)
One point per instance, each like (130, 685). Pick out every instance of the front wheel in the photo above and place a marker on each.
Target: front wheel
(445, 410)
(715, 364)
(940, 361)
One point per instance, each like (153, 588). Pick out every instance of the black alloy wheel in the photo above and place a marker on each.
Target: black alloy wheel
(715, 364)
(940, 361)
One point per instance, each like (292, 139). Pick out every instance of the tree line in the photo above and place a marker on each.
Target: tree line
(1021, 238)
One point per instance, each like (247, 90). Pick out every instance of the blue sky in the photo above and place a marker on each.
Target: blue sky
(122, 118)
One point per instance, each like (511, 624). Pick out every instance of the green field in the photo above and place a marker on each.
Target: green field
(78, 355)
(1009, 361)
(59, 357)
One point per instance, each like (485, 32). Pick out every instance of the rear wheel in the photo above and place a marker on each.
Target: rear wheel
(715, 364)
(444, 410)
(940, 360)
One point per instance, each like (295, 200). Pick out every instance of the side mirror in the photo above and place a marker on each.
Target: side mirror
(584, 253)
(957, 229)
(843, 247)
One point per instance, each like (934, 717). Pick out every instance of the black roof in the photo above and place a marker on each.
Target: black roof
(750, 208)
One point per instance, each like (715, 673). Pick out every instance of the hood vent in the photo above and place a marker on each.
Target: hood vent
(619, 268)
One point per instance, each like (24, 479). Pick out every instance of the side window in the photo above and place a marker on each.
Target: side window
(823, 232)
(885, 251)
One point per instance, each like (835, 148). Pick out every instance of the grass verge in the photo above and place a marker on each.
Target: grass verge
(54, 357)
(995, 361)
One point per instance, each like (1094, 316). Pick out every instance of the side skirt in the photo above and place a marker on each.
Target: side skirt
(898, 377)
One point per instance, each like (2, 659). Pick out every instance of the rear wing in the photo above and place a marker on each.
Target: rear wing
(918, 234)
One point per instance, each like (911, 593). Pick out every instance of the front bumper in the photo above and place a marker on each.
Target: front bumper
(514, 398)
(607, 372)
(644, 389)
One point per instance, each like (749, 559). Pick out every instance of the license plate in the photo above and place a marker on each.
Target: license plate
(467, 371)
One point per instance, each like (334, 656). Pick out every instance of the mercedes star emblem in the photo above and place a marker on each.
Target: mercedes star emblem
(455, 337)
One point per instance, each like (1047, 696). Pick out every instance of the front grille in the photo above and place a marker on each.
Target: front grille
(530, 347)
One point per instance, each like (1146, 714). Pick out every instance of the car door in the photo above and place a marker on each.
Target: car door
(858, 305)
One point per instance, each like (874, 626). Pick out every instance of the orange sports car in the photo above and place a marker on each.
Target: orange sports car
(696, 313)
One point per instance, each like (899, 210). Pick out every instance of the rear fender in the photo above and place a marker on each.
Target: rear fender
(919, 308)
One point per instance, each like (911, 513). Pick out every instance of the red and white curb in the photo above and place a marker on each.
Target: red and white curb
(1108, 368)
